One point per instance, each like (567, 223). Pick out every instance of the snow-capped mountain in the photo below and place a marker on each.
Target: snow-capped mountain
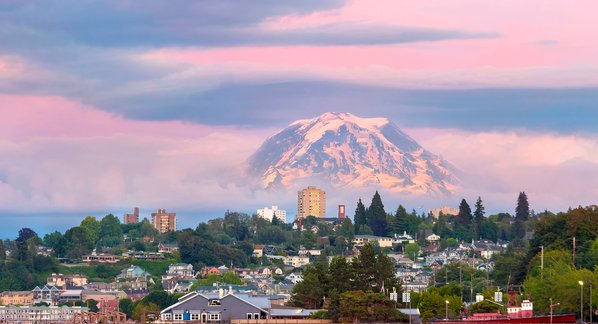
(349, 151)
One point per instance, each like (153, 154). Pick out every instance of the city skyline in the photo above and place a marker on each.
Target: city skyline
(108, 106)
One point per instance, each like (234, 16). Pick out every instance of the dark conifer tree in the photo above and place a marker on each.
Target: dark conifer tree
(464, 217)
(359, 218)
(378, 222)
(522, 210)
(401, 222)
(478, 218)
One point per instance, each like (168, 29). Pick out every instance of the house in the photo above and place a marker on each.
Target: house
(361, 240)
(309, 252)
(433, 238)
(294, 277)
(181, 270)
(221, 307)
(46, 294)
(97, 295)
(403, 239)
(22, 298)
(209, 271)
(132, 272)
(136, 294)
(270, 250)
(223, 269)
(70, 296)
(167, 247)
(65, 281)
(39, 314)
(100, 258)
(296, 261)
(44, 251)
(142, 255)
(258, 250)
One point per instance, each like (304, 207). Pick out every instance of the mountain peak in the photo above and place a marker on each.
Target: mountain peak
(350, 151)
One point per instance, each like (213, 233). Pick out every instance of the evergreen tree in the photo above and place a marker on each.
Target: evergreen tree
(341, 274)
(378, 222)
(522, 210)
(2, 254)
(365, 268)
(360, 218)
(478, 217)
(464, 217)
(110, 232)
(401, 221)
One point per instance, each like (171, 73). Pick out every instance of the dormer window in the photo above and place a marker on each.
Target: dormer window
(214, 302)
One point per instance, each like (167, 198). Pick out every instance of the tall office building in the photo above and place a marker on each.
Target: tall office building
(269, 213)
(132, 218)
(164, 221)
(311, 201)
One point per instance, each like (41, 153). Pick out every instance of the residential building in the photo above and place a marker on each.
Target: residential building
(46, 294)
(16, 298)
(143, 255)
(311, 202)
(133, 272)
(258, 250)
(67, 281)
(95, 257)
(433, 238)
(167, 247)
(136, 294)
(308, 252)
(361, 240)
(70, 296)
(163, 221)
(445, 210)
(132, 218)
(181, 270)
(270, 213)
(97, 295)
(404, 239)
(296, 261)
(205, 271)
(39, 314)
(224, 308)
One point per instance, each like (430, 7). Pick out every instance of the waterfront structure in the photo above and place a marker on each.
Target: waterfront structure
(16, 298)
(270, 213)
(39, 314)
(311, 202)
(163, 221)
(132, 218)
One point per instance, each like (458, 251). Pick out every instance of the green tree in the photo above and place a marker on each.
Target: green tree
(522, 210)
(126, 306)
(364, 266)
(377, 216)
(412, 251)
(23, 245)
(346, 229)
(309, 293)
(360, 217)
(78, 242)
(478, 217)
(401, 222)
(91, 224)
(57, 242)
(110, 232)
(464, 217)
(358, 305)
(2, 254)
(341, 274)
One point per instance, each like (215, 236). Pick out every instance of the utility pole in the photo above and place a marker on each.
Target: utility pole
(445, 275)
(574, 252)
(542, 263)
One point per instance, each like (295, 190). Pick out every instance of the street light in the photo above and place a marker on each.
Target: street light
(551, 307)
(446, 302)
(581, 301)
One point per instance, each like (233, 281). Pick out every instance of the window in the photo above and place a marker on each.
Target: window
(248, 315)
(178, 317)
(214, 302)
(256, 315)
(214, 317)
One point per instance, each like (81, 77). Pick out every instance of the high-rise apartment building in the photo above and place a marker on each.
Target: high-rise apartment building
(311, 201)
(164, 221)
(132, 218)
(269, 213)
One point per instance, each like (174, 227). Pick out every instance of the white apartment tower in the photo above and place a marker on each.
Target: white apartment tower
(269, 213)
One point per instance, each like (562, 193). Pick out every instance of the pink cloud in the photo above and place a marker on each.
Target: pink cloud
(51, 116)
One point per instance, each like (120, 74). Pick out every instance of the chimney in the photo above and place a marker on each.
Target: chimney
(221, 293)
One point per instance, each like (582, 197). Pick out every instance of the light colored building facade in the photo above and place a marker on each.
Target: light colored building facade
(270, 213)
(16, 298)
(361, 240)
(61, 280)
(132, 218)
(445, 210)
(38, 314)
(163, 221)
(311, 201)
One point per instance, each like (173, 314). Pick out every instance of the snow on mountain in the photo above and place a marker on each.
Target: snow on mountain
(349, 151)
